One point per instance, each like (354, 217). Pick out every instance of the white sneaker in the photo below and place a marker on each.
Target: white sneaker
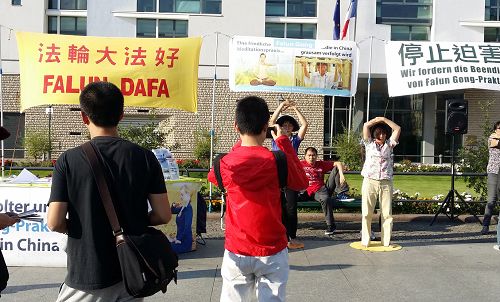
(496, 247)
(372, 235)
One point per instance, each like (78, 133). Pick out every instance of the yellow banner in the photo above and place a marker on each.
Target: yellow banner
(159, 73)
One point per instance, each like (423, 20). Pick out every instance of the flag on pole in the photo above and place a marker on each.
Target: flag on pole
(336, 21)
(351, 13)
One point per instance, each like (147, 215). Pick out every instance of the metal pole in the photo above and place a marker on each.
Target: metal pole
(212, 130)
(332, 110)
(369, 80)
(49, 112)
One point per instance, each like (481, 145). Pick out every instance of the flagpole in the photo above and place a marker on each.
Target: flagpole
(349, 120)
(332, 110)
(212, 130)
(369, 80)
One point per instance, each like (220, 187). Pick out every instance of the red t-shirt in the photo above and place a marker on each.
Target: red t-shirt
(316, 174)
(253, 215)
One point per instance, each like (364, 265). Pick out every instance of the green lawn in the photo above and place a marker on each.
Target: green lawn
(427, 186)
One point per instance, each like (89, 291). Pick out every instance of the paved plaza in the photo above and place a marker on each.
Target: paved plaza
(463, 267)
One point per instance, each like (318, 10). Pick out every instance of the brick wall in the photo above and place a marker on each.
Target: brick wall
(66, 118)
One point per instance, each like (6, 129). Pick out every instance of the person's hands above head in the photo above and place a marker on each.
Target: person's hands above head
(6, 220)
(276, 132)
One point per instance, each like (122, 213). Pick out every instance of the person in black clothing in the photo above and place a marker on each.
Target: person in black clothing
(134, 176)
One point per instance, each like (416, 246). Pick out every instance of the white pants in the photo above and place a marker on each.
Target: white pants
(243, 275)
(373, 190)
(114, 293)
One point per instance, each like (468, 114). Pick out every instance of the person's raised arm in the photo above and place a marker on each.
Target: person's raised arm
(282, 106)
(396, 129)
(303, 122)
(297, 179)
(160, 213)
(368, 125)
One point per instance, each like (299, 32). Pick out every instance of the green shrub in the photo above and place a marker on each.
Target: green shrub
(37, 144)
(202, 144)
(349, 150)
(150, 135)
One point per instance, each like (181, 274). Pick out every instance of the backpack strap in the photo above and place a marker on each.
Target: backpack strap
(220, 185)
(218, 177)
(282, 166)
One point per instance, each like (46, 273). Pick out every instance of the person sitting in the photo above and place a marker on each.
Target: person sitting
(321, 191)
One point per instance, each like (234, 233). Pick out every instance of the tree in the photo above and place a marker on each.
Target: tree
(202, 144)
(349, 150)
(475, 154)
(151, 135)
(37, 144)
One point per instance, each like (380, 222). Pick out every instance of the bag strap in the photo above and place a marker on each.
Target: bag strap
(102, 186)
(218, 177)
(282, 165)
(220, 185)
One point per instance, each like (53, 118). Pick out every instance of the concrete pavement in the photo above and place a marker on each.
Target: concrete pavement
(324, 271)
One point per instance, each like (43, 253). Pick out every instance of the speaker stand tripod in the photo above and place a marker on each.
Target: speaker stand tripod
(448, 205)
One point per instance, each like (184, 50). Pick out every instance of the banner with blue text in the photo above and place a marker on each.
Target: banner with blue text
(324, 67)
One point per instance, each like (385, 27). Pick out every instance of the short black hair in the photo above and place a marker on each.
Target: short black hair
(102, 102)
(378, 129)
(311, 149)
(252, 115)
(496, 125)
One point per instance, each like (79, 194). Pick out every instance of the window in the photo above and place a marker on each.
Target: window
(407, 112)
(13, 144)
(147, 28)
(16, 2)
(410, 19)
(291, 30)
(340, 117)
(68, 4)
(67, 25)
(180, 6)
(291, 8)
(409, 33)
(492, 13)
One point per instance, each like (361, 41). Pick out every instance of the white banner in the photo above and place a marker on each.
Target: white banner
(29, 243)
(324, 67)
(421, 67)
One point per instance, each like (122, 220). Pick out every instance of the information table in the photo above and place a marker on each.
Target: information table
(30, 243)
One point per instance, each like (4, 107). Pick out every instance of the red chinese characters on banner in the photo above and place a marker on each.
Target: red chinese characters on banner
(51, 55)
(106, 55)
(80, 55)
(137, 58)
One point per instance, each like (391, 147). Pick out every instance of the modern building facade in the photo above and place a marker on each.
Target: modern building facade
(422, 117)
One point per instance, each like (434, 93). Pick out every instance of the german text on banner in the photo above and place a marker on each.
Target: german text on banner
(324, 67)
(422, 67)
(160, 73)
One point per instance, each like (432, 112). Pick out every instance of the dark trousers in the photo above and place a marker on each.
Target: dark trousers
(325, 195)
(289, 217)
(493, 190)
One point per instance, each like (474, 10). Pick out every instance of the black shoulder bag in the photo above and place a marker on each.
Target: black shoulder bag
(147, 261)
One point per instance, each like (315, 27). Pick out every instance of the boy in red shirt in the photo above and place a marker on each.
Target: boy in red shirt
(315, 172)
(256, 256)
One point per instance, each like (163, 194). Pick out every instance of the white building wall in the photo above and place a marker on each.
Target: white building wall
(102, 22)
(30, 16)
(446, 17)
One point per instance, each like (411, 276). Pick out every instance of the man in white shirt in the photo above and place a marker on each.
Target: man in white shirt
(321, 78)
